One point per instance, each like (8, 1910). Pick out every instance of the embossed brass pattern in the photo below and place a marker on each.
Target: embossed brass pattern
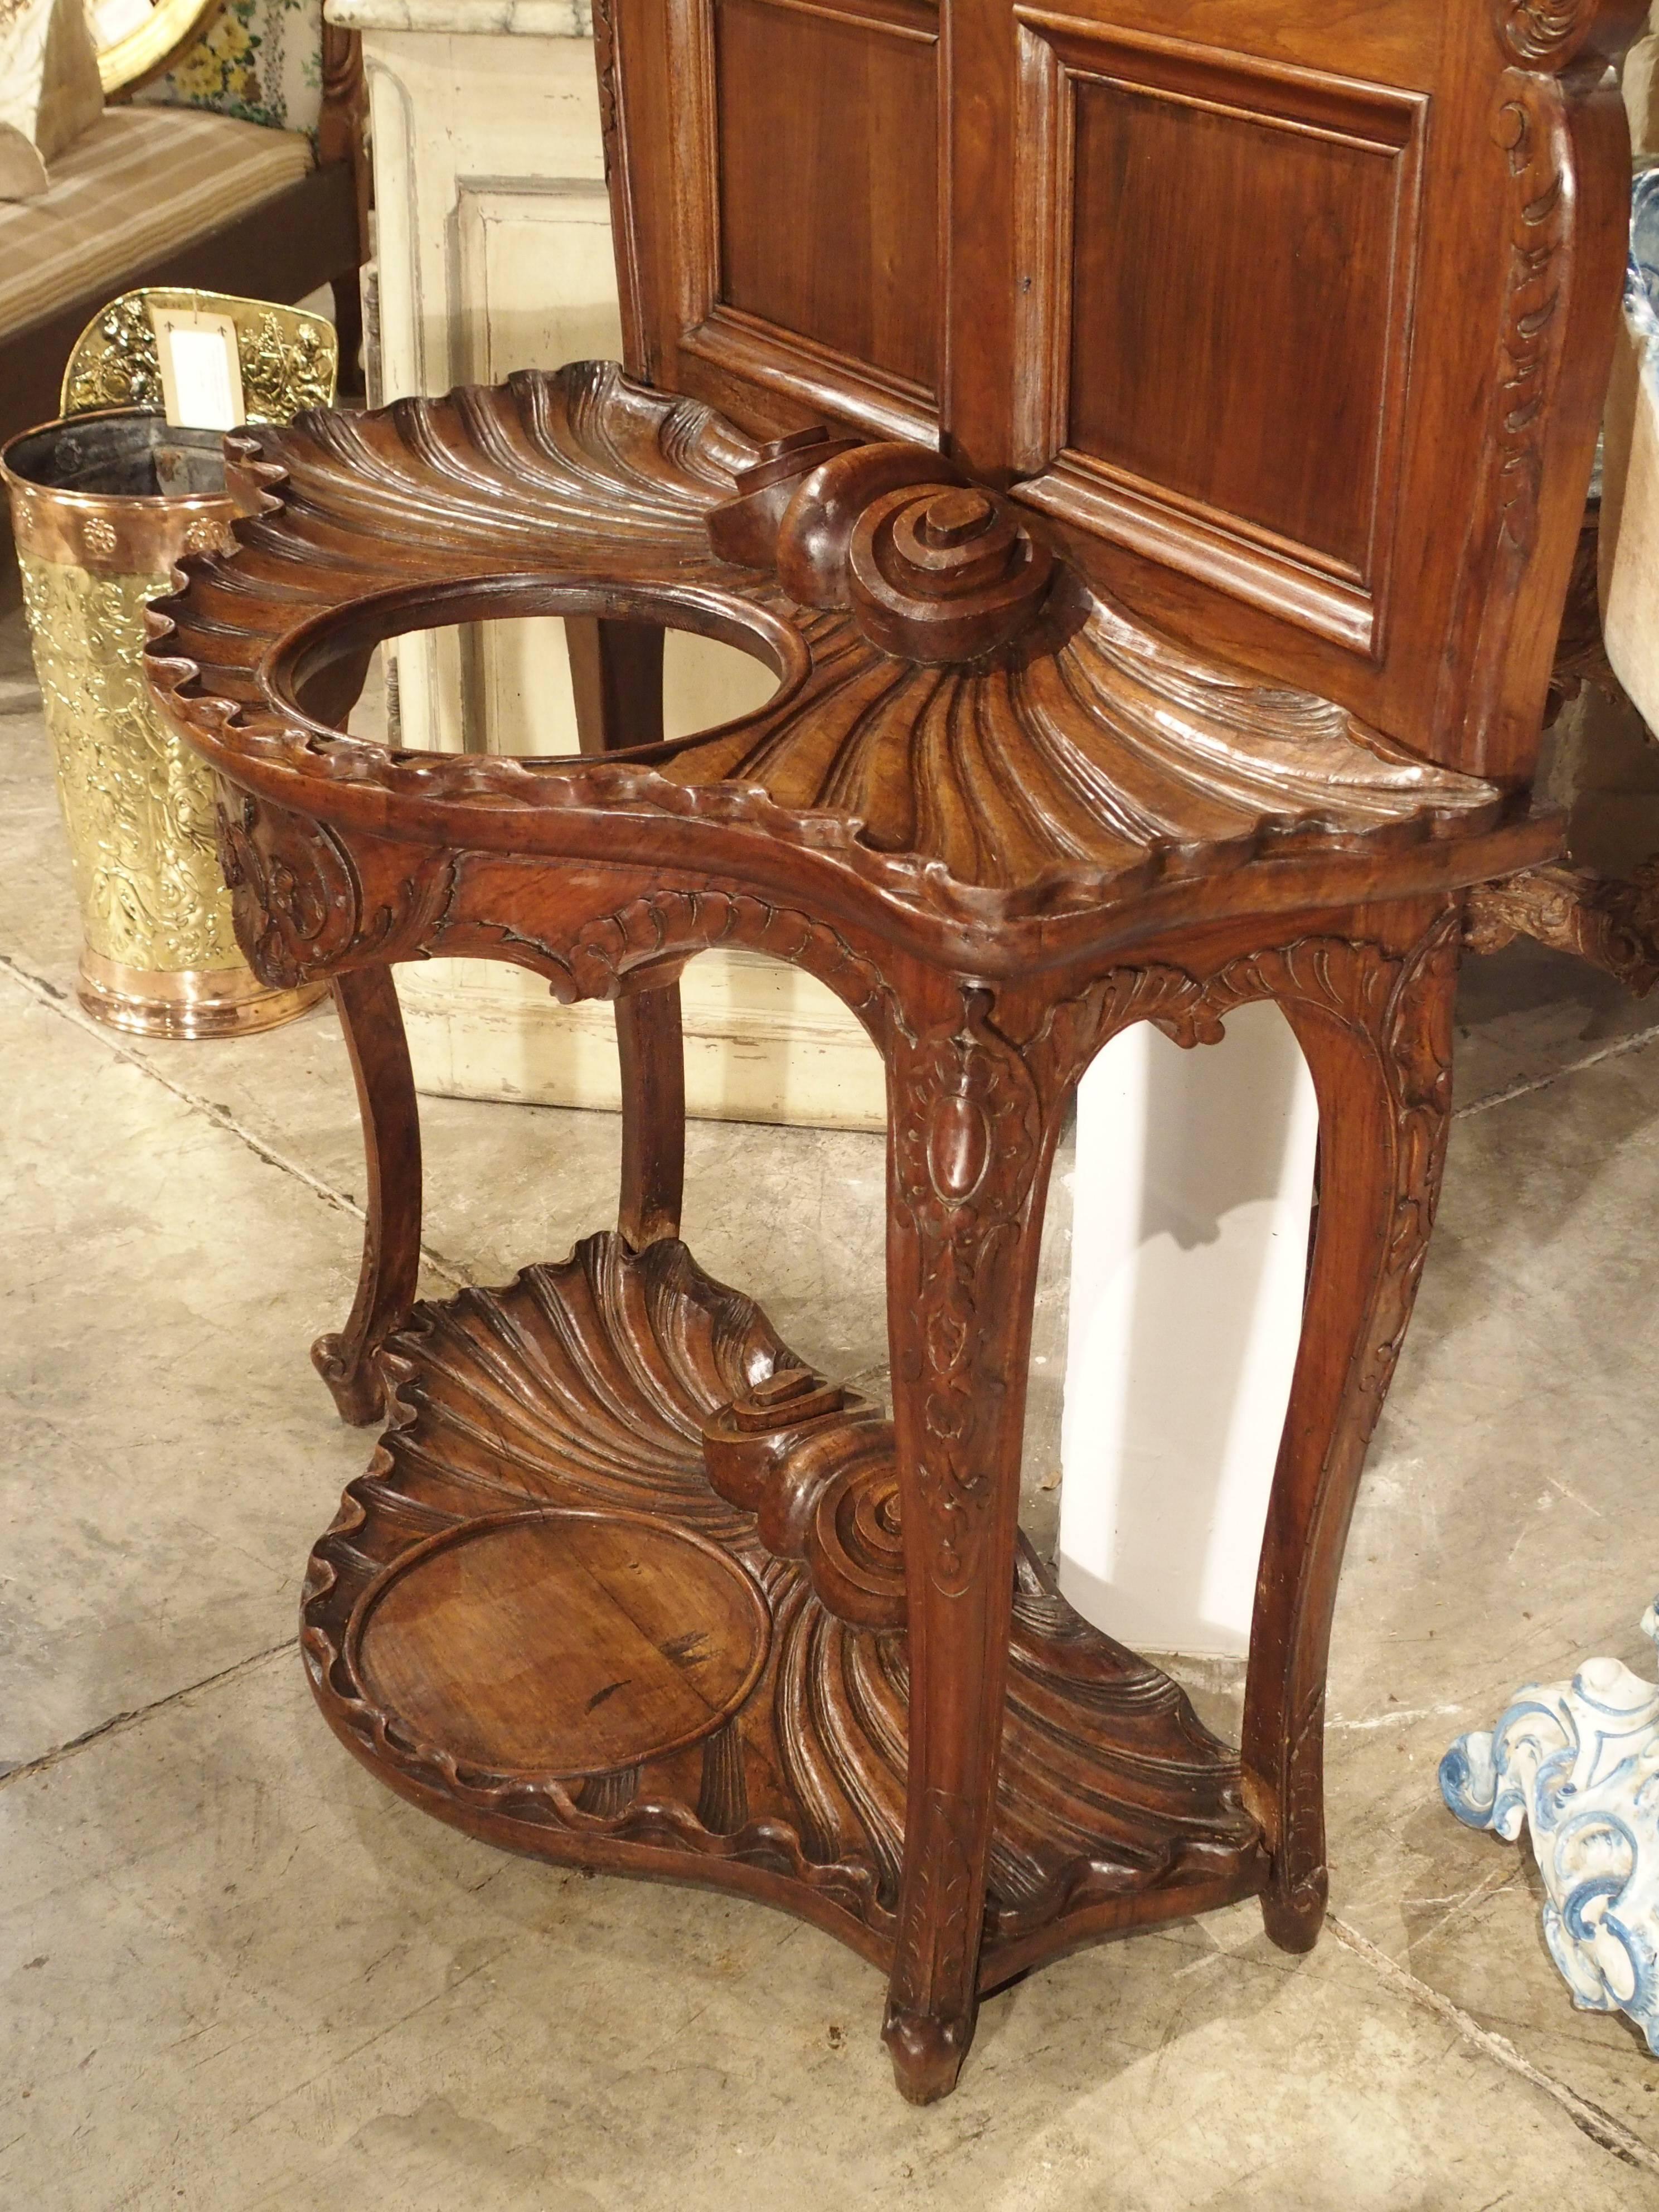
(288, 359)
(138, 805)
(160, 955)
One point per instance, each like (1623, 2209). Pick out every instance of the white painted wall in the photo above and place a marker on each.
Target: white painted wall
(494, 250)
(1191, 1209)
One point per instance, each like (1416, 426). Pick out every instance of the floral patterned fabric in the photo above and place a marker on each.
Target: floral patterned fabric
(260, 61)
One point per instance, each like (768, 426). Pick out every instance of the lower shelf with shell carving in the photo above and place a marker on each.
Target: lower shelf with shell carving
(622, 1588)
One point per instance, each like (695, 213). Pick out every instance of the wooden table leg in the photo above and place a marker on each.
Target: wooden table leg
(969, 1150)
(652, 1057)
(1378, 1040)
(369, 1014)
(616, 674)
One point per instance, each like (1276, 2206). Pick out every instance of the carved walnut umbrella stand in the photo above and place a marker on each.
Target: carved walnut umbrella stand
(626, 1584)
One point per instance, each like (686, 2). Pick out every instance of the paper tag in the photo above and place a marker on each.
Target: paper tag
(201, 373)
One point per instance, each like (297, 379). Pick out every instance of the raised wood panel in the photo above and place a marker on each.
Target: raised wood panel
(809, 149)
(1392, 42)
(1198, 231)
(1264, 252)
(829, 161)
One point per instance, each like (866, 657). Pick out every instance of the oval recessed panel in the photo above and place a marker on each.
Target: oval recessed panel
(559, 1643)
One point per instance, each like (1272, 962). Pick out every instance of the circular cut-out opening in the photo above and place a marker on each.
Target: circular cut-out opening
(511, 687)
(509, 666)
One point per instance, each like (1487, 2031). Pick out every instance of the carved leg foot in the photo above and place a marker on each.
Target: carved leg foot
(1377, 1027)
(970, 1146)
(926, 2053)
(373, 1026)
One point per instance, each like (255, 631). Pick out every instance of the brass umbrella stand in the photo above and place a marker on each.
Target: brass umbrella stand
(103, 503)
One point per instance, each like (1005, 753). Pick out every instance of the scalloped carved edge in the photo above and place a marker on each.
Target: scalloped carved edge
(697, 456)
(853, 1883)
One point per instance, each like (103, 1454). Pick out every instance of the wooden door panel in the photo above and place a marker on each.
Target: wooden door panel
(837, 242)
(1391, 41)
(1216, 271)
(809, 208)
(1286, 314)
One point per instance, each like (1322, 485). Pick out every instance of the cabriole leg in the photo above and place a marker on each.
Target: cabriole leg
(653, 1064)
(616, 674)
(970, 1149)
(1378, 1039)
(373, 1026)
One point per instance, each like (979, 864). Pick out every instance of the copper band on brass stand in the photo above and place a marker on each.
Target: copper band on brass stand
(186, 1002)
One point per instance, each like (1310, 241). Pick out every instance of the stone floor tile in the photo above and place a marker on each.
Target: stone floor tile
(239, 1976)
(1526, 1013)
(1508, 1529)
(167, 1466)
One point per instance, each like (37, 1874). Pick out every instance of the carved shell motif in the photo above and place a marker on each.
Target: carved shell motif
(582, 1399)
(959, 721)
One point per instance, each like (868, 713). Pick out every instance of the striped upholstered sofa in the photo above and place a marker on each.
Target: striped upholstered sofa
(184, 194)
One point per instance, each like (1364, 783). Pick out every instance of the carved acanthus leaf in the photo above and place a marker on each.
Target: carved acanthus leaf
(967, 1130)
(1550, 34)
(1612, 921)
(301, 906)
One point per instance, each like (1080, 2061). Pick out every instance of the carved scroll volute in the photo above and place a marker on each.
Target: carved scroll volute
(1550, 35)
(931, 566)
(816, 533)
(944, 575)
(745, 529)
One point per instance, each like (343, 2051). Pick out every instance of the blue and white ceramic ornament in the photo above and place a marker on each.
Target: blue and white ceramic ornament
(1578, 1763)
